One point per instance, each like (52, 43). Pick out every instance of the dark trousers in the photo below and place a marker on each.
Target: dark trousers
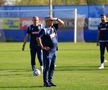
(39, 52)
(49, 58)
(103, 45)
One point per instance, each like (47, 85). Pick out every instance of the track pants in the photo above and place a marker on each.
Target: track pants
(103, 45)
(49, 58)
(39, 52)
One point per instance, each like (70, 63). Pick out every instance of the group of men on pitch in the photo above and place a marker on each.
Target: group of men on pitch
(43, 42)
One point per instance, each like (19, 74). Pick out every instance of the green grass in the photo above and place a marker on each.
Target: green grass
(77, 68)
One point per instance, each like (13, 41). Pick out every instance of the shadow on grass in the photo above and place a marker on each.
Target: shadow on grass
(15, 72)
(78, 68)
(6, 51)
(28, 73)
(22, 87)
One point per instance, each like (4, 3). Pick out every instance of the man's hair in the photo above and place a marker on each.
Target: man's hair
(47, 18)
(103, 15)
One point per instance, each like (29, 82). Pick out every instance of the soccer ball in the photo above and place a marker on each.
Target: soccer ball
(37, 72)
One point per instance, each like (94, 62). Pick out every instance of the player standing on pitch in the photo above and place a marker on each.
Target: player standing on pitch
(48, 42)
(33, 31)
(103, 38)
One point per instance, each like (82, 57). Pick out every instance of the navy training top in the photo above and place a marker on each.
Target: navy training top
(103, 32)
(49, 36)
(33, 31)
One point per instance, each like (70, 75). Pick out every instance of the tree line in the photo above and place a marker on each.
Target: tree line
(57, 2)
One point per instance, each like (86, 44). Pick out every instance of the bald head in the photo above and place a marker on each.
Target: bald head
(35, 20)
(36, 17)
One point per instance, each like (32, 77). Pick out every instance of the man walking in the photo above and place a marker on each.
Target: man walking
(103, 38)
(33, 31)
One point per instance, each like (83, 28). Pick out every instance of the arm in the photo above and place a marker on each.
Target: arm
(98, 37)
(25, 40)
(39, 41)
(60, 22)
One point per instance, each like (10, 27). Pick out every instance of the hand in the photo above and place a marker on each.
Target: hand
(54, 19)
(97, 43)
(46, 48)
(23, 47)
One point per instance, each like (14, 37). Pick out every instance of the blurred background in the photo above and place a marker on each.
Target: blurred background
(15, 16)
(55, 2)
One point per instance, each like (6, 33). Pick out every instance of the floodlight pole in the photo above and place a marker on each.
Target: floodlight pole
(50, 8)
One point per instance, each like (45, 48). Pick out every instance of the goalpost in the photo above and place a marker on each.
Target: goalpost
(10, 19)
(75, 26)
(81, 38)
(75, 19)
(70, 17)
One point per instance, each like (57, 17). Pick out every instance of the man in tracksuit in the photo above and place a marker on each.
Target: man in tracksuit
(103, 38)
(33, 31)
(48, 42)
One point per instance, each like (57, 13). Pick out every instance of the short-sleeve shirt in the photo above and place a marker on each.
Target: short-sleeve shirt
(103, 32)
(33, 31)
(49, 36)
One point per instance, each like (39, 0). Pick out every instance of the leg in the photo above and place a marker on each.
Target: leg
(33, 55)
(102, 51)
(46, 63)
(52, 67)
(107, 46)
(40, 56)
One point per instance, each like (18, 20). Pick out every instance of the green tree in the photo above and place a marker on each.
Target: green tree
(96, 1)
(32, 2)
(61, 2)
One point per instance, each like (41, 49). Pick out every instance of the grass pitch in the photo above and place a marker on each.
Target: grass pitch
(77, 68)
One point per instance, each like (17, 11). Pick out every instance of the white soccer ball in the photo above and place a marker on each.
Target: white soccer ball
(37, 72)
